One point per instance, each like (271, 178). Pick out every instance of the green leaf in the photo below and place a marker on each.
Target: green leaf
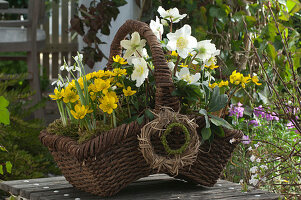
(80, 93)
(271, 51)
(206, 133)
(3, 102)
(4, 113)
(293, 6)
(2, 148)
(251, 21)
(220, 121)
(1, 169)
(149, 114)
(140, 119)
(217, 101)
(204, 112)
(218, 130)
(8, 166)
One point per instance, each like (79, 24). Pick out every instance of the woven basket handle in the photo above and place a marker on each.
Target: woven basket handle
(163, 78)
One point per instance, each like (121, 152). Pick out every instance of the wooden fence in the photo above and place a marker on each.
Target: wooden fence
(59, 45)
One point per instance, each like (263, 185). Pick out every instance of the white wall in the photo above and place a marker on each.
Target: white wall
(128, 11)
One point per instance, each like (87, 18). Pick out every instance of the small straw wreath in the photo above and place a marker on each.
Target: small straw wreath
(185, 156)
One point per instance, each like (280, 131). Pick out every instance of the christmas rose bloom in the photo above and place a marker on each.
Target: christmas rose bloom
(181, 41)
(185, 75)
(206, 50)
(140, 72)
(171, 15)
(133, 45)
(157, 28)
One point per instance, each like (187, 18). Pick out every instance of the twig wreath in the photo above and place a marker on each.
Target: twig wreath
(163, 125)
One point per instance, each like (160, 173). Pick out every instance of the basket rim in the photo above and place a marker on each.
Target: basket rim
(91, 147)
(108, 138)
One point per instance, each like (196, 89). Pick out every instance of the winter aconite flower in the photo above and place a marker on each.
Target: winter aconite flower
(255, 80)
(70, 96)
(57, 94)
(206, 50)
(119, 72)
(223, 83)
(213, 85)
(181, 41)
(140, 72)
(101, 85)
(171, 15)
(128, 92)
(133, 45)
(157, 28)
(185, 75)
(108, 104)
(80, 111)
(119, 60)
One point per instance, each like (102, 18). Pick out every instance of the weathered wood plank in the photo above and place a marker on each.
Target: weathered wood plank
(152, 187)
(55, 38)
(64, 27)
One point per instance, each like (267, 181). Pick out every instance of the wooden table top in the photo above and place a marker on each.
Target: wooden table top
(153, 187)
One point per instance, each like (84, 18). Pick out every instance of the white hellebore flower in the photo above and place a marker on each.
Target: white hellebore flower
(140, 72)
(184, 74)
(142, 53)
(79, 57)
(206, 50)
(171, 65)
(133, 45)
(164, 22)
(172, 14)
(157, 28)
(211, 61)
(181, 41)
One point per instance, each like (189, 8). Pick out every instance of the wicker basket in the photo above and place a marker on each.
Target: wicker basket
(106, 164)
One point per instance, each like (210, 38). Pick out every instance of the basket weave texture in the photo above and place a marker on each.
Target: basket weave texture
(109, 162)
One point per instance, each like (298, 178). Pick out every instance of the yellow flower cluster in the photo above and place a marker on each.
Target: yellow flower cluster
(101, 86)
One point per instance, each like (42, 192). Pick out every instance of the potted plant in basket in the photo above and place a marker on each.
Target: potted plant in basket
(152, 110)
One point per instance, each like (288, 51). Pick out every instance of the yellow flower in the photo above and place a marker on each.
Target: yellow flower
(119, 72)
(80, 111)
(174, 53)
(89, 76)
(108, 104)
(100, 74)
(236, 77)
(255, 80)
(92, 96)
(223, 83)
(213, 85)
(119, 85)
(70, 96)
(112, 94)
(182, 65)
(101, 85)
(245, 79)
(128, 92)
(119, 60)
(57, 94)
(108, 73)
(211, 66)
(81, 82)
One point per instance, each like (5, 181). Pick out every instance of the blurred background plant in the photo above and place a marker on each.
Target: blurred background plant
(20, 137)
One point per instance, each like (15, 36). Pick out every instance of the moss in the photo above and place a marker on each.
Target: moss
(73, 131)
(168, 130)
